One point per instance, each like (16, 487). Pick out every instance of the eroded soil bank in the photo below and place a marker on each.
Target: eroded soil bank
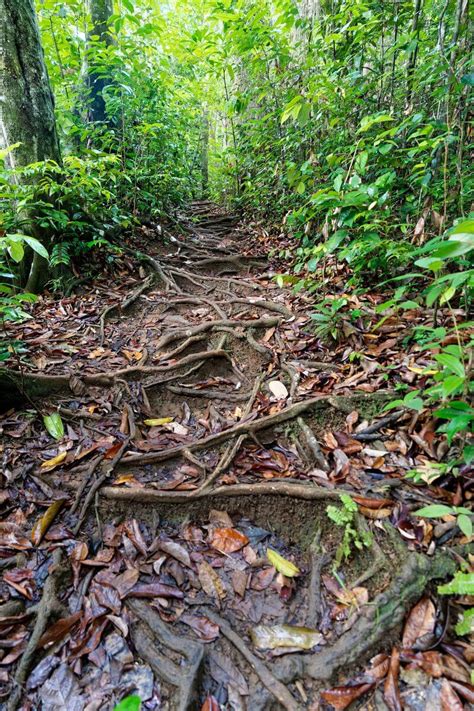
(207, 428)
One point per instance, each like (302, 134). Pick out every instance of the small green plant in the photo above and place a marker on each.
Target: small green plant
(461, 584)
(129, 703)
(463, 515)
(329, 317)
(344, 517)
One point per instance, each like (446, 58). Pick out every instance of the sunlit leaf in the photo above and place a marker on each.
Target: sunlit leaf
(282, 565)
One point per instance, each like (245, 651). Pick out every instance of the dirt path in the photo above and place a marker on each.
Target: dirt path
(204, 425)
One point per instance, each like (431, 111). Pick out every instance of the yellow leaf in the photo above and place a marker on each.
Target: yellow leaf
(43, 523)
(286, 567)
(51, 463)
(158, 421)
(421, 371)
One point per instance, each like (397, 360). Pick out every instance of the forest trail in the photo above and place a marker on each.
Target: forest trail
(205, 429)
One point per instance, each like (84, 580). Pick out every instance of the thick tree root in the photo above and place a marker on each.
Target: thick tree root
(45, 609)
(376, 620)
(185, 676)
(275, 687)
(341, 403)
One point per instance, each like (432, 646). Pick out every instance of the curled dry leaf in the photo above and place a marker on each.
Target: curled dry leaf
(156, 590)
(273, 637)
(158, 421)
(51, 464)
(391, 691)
(228, 540)
(210, 704)
(43, 523)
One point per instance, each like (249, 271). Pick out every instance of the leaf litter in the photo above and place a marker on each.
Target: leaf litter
(256, 579)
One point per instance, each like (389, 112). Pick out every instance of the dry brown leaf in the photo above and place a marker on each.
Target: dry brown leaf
(420, 622)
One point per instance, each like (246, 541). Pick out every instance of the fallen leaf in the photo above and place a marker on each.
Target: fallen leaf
(50, 464)
(391, 692)
(59, 630)
(156, 590)
(176, 551)
(286, 567)
(272, 637)
(156, 422)
(278, 389)
(450, 701)
(228, 540)
(210, 704)
(62, 691)
(206, 630)
(340, 697)
(43, 523)
(210, 581)
(421, 621)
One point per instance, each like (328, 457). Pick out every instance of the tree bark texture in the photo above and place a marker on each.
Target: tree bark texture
(26, 100)
(100, 12)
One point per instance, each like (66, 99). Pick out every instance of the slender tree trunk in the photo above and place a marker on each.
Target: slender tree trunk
(26, 100)
(205, 154)
(415, 34)
(100, 12)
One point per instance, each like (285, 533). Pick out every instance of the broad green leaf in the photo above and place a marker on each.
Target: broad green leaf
(434, 511)
(16, 251)
(54, 425)
(282, 565)
(36, 246)
(451, 363)
(465, 524)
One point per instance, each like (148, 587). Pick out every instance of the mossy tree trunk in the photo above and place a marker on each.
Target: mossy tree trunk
(100, 12)
(26, 100)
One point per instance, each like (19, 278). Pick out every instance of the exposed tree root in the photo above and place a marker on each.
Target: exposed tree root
(148, 495)
(275, 687)
(184, 676)
(128, 301)
(288, 413)
(45, 609)
(213, 325)
(209, 394)
(375, 620)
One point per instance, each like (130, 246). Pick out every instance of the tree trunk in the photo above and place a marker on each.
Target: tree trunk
(205, 154)
(26, 101)
(101, 12)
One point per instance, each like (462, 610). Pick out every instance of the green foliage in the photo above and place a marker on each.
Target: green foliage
(463, 515)
(130, 703)
(344, 517)
(461, 584)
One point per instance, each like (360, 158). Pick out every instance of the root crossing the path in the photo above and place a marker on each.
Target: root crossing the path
(206, 430)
